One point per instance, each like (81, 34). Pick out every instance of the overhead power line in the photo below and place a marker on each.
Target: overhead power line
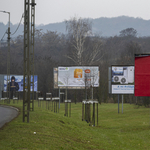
(16, 29)
(19, 24)
(4, 35)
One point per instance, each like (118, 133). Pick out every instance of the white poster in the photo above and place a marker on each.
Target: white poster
(78, 76)
(122, 89)
(122, 80)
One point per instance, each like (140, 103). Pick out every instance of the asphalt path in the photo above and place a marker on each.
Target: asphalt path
(7, 114)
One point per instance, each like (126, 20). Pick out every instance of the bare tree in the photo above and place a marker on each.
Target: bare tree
(78, 29)
(90, 79)
(66, 81)
(94, 52)
(78, 32)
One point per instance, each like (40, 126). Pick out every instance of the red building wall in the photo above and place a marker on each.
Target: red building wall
(142, 75)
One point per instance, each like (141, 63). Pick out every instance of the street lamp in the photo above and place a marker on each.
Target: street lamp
(8, 55)
(8, 18)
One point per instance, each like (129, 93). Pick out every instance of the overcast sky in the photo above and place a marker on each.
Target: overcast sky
(51, 11)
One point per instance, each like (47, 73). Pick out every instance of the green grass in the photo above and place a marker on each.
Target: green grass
(130, 130)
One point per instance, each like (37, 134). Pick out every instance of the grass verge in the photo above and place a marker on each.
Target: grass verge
(54, 131)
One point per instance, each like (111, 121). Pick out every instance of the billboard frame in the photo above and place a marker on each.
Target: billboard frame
(122, 84)
(73, 87)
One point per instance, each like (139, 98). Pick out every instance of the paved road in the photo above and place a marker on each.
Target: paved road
(7, 114)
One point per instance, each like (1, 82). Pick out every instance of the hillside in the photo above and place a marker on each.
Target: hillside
(104, 26)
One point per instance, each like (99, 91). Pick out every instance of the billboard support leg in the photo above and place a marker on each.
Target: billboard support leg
(118, 103)
(66, 94)
(59, 98)
(92, 92)
(122, 104)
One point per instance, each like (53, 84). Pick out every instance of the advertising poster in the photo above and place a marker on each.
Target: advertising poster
(78, 76)
(122, 79)
(19, 80)
(55, 75)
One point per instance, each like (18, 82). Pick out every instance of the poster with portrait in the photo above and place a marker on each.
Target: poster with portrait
(19, 80)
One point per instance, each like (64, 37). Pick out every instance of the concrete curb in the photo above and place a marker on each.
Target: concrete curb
(10, 107)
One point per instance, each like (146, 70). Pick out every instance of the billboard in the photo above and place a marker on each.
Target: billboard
(19, 80)
(142, 75)
(55, 77)
(77, 77)
(122, 79)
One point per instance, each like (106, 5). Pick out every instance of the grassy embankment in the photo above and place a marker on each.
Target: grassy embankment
(130, 130)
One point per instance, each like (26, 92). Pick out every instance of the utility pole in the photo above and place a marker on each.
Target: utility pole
(8, 62)
(32, 50)
(8, 57)
(28, 58)
(27, 76)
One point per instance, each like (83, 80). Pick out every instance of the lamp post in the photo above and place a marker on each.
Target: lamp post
(8, 56)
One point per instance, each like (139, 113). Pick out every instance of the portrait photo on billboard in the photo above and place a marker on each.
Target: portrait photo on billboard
(18, 82)
(122, 79)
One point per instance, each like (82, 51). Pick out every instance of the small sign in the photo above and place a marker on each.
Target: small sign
(67, 101)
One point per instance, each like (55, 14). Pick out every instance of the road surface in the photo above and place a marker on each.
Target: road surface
(7, 114)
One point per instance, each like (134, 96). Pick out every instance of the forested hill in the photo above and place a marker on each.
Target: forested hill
(112, 26)
(104, 26)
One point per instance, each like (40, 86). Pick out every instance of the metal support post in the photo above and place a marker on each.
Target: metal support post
(59, 98)
(56, 106)
(65, 109)
(70, 110)
(94, 114)
(97, 114)
(90, 113)
(122, 104)
(118, 103)
(82, 111)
